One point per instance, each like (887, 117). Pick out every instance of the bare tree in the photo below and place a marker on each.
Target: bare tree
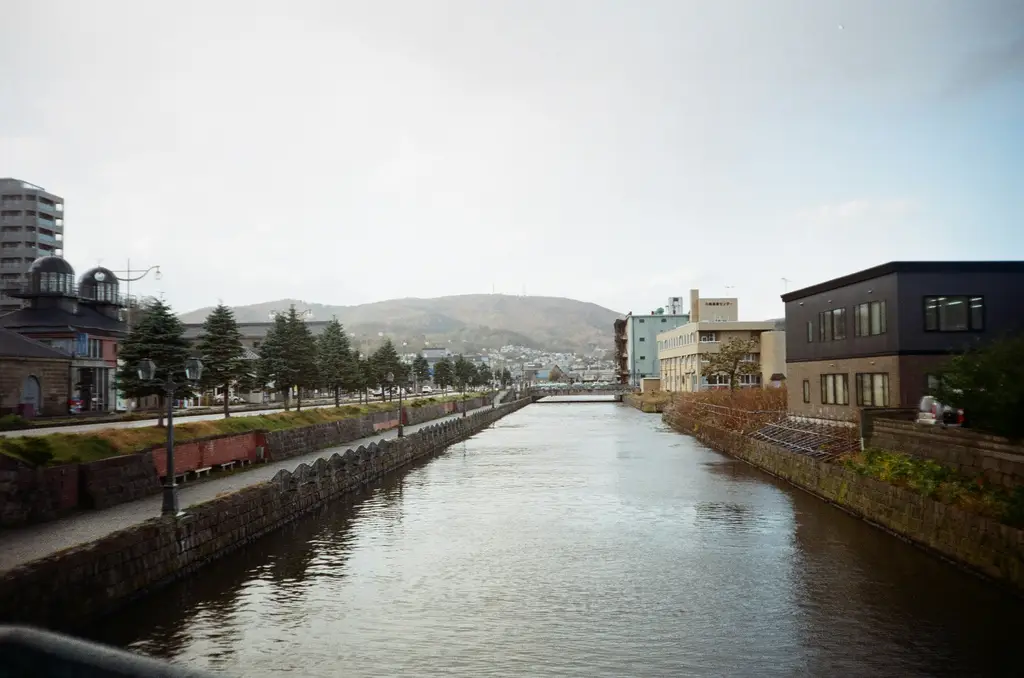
(732, 361)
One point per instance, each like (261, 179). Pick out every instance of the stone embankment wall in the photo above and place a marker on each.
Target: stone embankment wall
(31, 495)
(76, 585)
(979, 543)
(969, 452)
(651, 406)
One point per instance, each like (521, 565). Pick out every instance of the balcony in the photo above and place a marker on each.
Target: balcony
(47, 239)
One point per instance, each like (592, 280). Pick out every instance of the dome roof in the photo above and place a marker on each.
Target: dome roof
(51, 264)
(97, 275)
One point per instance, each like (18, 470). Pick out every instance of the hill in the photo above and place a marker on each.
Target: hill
(469, 321)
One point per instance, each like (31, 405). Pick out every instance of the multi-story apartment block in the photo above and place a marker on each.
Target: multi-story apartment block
(31, 226)
(636, 344)
(879, 337)
(683, 352)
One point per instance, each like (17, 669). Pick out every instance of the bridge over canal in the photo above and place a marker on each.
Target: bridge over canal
(579, 395)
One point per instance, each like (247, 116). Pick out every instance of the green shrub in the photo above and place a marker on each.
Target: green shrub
(36, 450)
(13, 422)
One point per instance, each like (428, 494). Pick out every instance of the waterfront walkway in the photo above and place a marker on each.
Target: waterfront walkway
(32, 542)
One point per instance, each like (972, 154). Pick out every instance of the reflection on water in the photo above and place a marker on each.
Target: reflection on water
(579, 540)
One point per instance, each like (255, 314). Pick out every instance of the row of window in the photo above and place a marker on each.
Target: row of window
(959, 313)
(871, 389)
(692, 337)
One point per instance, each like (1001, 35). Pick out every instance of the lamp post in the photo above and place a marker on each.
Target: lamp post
(391, 380)
(147, 372)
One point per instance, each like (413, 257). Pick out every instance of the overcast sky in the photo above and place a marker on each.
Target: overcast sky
(617, 152)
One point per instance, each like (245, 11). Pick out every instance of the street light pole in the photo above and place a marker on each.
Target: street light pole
(127, 278)
(147, 372)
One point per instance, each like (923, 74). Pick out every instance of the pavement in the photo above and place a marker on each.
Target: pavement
(23, 545)
(178, 419)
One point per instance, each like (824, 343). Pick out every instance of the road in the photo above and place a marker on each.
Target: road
(178, 419)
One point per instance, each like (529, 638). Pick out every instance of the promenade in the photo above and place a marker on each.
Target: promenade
(23, 545)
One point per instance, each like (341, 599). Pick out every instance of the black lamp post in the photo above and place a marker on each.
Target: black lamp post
(147, 372)
(391, 380)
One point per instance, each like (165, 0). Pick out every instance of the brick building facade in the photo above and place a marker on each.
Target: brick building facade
(34, 378)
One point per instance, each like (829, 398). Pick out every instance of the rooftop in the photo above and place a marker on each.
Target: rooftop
(948, 267)
(14, 345)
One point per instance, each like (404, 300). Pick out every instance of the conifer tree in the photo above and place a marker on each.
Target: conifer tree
(160, 337)
(220, 346)
(334, 360)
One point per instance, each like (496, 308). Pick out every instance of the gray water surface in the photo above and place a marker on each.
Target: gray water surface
(579, 540)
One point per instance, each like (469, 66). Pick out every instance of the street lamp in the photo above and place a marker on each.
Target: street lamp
(391, 380)
(147, 373)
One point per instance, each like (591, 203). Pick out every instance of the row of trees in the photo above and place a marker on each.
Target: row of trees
(290, 359)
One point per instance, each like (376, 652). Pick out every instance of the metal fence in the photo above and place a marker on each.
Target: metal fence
(824, 439)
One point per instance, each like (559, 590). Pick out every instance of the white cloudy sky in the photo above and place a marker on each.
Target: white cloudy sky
(612, 151)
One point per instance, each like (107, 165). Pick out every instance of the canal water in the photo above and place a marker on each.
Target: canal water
(579, 540)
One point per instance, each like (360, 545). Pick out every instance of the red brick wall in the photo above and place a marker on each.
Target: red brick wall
(196, 454)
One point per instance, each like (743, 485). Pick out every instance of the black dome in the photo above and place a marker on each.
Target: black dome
(51, 264)
(98, 284)
(97, 275)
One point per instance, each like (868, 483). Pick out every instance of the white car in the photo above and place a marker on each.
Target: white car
(426, 390)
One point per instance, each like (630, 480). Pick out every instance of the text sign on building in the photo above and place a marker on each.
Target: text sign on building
(81, 344)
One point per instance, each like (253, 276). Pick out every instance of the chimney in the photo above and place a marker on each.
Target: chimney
(694, 306)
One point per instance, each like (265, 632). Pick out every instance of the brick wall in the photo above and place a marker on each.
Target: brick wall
(77, 585)
(208, 452)
(53, 378)
(966, 451)
(982, 544)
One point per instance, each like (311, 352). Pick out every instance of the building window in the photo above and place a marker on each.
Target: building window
(664, 320)
(643, 357)
(95, 348)
(832, 324)
(642, 339)
(873, 390)
(869, 319)
(708, 337)
(641, 319)
(807, 390)
(810, 331)
(835, 389)
(954, 314)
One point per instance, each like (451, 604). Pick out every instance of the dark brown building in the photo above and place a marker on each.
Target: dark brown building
(875, 338)
(34, 378)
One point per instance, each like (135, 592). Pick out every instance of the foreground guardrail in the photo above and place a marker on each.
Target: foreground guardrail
(27, 652)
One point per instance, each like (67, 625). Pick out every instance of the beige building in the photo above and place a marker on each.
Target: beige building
(683, 352)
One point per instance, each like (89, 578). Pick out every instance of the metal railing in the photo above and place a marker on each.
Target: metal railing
(823, 439)
(26, 652)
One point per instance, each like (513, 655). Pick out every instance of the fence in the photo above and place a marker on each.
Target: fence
(822, 439)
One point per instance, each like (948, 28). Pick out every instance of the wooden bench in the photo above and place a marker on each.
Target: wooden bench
(200, 472)
(227, 466)
(179, 478)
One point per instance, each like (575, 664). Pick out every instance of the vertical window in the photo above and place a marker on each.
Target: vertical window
(810, 331)
(834, 389)
(839, 323)
(807, 390)
(825, 326)
(872, 390)
(954, 314)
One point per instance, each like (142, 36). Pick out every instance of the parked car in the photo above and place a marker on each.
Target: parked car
(426, 390)
(931, 412)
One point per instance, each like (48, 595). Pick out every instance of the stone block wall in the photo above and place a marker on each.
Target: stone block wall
(117, 480)
(969, 452)
(74, 586)
(29, 494)
(976, 542)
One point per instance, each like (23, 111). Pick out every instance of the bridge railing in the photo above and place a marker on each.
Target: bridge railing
(27, 652)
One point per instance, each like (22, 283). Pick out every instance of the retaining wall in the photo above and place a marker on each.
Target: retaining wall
(74, 586)
(966, 451)
(30, 495)
(976, 542)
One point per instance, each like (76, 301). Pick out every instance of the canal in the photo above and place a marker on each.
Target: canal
(579, 540)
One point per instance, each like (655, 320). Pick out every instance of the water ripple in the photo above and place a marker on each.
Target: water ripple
(578, 540)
